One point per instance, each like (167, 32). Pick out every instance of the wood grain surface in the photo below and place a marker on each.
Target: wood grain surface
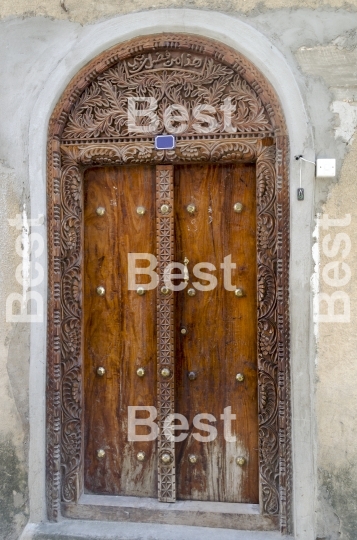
(119, 330)
(221, 331)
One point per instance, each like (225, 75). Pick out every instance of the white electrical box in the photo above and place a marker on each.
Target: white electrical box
(325, 168)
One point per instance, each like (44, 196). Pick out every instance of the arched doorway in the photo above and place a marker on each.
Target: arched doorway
(89, 132)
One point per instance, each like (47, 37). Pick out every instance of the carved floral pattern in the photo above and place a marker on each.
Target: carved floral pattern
(267, 335)
(266, 290)
(71, 339)
(90, 127)
(168, 79)
(267, 338)
(165, 331)
(71, 299)
(144, 152)
(269, 446)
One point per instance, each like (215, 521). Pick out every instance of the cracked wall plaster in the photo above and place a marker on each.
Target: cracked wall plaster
(336, 65)
(347, 113)
(13, 491)
(14, 359)
(92, 10)
(336, 389)
(338, 520)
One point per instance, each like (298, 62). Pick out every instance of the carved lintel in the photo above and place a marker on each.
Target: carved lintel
(199, 150)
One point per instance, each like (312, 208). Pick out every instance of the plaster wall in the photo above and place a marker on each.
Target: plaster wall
(14, 373)
(336, 367)
(88, 12)
(44, 44)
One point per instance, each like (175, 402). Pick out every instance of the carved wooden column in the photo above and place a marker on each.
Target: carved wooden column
(165, 332)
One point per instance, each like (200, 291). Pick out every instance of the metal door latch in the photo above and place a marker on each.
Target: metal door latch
(186, 275)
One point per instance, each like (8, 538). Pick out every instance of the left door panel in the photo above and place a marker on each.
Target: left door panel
(119, 331)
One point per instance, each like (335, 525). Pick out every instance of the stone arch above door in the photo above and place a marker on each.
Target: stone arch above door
(88, 127)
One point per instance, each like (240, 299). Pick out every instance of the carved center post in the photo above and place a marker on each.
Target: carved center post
(165, 333)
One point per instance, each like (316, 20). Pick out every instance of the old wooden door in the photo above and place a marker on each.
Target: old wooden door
(190, 351)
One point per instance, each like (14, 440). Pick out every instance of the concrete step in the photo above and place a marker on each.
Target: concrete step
(98, 530)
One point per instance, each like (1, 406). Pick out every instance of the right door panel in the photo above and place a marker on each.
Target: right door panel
(221, 333)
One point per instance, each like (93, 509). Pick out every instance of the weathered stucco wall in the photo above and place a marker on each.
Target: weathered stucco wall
(336, 265)
(318, 41)
(89, 11)
(336, 366)
(14, 363)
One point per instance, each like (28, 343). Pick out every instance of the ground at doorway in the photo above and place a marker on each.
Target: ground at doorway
(95, 530)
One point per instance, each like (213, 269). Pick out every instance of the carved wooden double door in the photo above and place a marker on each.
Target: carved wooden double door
(150, 351)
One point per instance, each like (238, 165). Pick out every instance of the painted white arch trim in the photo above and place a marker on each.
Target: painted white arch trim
(91, 41)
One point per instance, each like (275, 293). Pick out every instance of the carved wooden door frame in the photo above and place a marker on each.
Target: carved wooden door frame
(88, 128)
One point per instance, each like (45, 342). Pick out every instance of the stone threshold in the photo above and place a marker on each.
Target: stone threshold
(234, 516)
(98, 530)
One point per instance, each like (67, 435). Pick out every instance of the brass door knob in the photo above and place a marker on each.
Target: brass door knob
(140, 456)
(140, 210)
(165, 372)
(100, 291)
(140, 372)
(191, 208)
(101, 371)
(192, 375)
(140, 291)
(240, 377)
(238, 207)
(166, 458)
(240, 461)
(192, 458)
(183, 331)
(100, 453)
(238, 292)
(100, 211)
(191, 292)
